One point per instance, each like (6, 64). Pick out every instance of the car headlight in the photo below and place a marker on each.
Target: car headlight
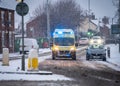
(99, 41)
(91, 41)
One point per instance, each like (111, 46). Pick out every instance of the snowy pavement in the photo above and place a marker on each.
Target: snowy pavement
(13, 71)
(114, 54)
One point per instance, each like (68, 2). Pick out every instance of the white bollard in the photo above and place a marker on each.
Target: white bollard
(5, 57)
(33, 60)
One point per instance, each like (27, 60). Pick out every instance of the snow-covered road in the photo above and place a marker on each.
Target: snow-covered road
(15, 66)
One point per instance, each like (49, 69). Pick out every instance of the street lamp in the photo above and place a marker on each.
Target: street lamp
(48, 23)
(89, 12)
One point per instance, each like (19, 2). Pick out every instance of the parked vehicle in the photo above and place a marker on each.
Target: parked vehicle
(84, 41)
(29, 43)
(96, 52)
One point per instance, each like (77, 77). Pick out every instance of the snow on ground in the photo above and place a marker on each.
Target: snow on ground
(114, 60)
(15, 66)
(13, 71)
(32, 77)
(42, 50)
(114, 54)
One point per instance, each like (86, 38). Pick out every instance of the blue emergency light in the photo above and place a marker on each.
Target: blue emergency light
(60, 32)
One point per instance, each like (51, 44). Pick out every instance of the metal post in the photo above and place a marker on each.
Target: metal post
(89, 15)
(119, 24)
(23, 56)
(89, 12)
(77, 35)
(48, 24)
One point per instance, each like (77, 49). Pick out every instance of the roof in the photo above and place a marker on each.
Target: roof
(8, 4)
(97, 22)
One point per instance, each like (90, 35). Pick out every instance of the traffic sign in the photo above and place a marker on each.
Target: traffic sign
(22, 8)
(115, 29)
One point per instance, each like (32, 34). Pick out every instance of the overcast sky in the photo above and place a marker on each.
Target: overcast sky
(99, 7)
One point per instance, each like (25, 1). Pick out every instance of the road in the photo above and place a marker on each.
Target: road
(84, 73)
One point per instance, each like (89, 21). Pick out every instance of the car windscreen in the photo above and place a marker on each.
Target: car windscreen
(96, 47)
(83, 39)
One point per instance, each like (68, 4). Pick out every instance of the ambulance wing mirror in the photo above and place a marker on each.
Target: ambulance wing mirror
(76, 44)
(51, 44)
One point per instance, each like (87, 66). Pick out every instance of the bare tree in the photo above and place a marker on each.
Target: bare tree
(116, 4)
(64, 13)
(105, 20)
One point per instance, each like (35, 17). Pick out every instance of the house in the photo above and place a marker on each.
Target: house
(105, 31)
(86, 25)
(34, 29)
(95, 25)
(6, 28)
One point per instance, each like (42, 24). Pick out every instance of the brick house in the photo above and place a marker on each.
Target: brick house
(34, 29)
(105, 31)
(6, 29)
(85, 25)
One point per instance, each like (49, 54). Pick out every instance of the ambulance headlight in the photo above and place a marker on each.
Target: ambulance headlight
(56, 48)
(72, 49)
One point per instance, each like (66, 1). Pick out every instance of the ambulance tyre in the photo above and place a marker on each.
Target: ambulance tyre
(53, 56)
(104, 58)
(74, 57)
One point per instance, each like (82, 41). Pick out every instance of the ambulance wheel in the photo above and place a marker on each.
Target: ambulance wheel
(74, 57)
(53, 56)
(104, 58)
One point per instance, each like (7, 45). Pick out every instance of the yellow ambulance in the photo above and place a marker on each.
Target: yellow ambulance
(63, 45)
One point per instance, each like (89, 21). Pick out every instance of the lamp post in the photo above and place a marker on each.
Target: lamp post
(48, 23)
(119, 24)
(89, 12)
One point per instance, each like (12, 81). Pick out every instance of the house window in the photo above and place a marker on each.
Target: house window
(10, 39)
(10, 18)
(3, 39)
(3, 18)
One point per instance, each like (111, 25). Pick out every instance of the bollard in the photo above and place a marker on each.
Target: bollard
(108, 51)
(5, 57)
(33, 60)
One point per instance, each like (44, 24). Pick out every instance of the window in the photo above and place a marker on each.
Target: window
(10, 39)
(3, 18)
(3, 39)
(64, 41)
(9, 17)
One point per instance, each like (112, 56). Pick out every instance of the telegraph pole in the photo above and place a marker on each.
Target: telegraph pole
(119, 23)
(89, 12)
(48, 23)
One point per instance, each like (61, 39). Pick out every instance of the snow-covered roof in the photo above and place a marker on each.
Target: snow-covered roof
(8, 4)
(97, 22)
(108, 25)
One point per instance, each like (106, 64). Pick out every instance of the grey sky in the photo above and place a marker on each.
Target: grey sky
(99, 7)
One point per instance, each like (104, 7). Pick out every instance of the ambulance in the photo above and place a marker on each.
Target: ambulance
(63, 45)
